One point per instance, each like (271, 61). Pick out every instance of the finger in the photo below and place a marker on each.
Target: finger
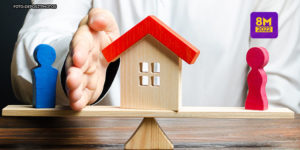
(87, 65)
(74, 78)
(80, 53)
(84, 21)
(82, 102)
(76, 94)
(84, 34)
(103, 20)
(81, 45)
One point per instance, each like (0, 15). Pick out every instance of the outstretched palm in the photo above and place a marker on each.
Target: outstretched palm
(86, 66)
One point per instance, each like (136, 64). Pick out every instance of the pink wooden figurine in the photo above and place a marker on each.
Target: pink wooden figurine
(257, 58)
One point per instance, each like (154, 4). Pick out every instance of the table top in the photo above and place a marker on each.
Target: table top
(112, 133)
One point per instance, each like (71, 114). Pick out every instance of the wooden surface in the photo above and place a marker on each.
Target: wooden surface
(111, 133)
(149, 135)
(152, 25)
(133, 95)
(110, 111)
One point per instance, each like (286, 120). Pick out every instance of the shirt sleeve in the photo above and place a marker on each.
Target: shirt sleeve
(283, 69)
(45, 26)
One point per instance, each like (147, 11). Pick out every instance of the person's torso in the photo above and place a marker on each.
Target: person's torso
(219, 29)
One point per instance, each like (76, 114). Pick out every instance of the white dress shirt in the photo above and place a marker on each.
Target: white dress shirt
(219, 29)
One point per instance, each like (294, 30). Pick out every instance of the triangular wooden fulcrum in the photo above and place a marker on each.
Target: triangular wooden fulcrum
(148, 136)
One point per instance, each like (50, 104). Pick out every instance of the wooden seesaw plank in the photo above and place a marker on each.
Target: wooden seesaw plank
(184, 112)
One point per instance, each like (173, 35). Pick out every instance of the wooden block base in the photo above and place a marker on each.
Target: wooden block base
(149, 135)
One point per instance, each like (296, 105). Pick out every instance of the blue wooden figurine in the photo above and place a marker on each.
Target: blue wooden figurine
(44, 77)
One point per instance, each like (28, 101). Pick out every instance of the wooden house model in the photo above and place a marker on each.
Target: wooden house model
(150, 67)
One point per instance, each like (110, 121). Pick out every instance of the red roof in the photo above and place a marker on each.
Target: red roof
(153, 26)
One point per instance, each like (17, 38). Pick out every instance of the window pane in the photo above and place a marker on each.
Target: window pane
(156, 67)
(156, 81)
(144, 67)
(144, 80)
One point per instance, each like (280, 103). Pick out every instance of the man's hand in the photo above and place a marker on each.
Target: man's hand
(86, 66)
